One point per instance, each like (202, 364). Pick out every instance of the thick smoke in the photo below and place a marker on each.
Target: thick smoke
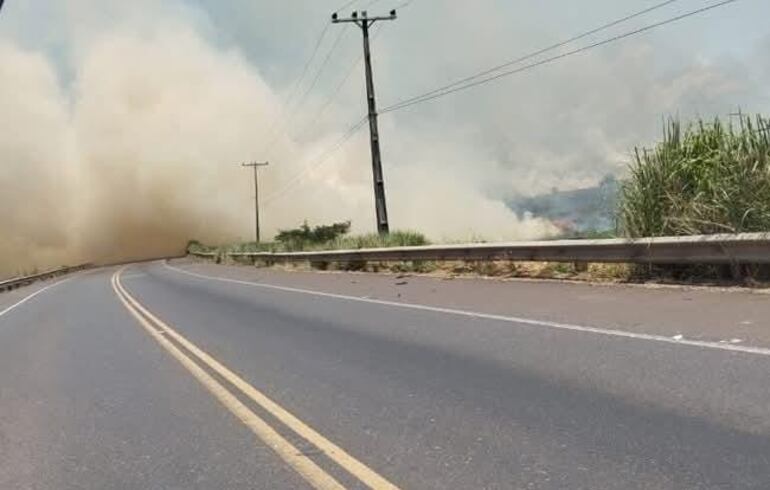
(140, 152)
(37, 163)
(123, 128)
(138, 157)
(159, 141)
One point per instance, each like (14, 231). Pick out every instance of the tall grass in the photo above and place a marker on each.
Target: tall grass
(702, 179)
(372, 240)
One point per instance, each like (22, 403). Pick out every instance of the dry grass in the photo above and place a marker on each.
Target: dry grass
(591, 273)
(449, 269)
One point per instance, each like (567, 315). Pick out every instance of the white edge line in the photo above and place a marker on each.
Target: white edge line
(488, 316)
(27, 298)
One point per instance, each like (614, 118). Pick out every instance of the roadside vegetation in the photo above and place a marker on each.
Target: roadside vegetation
(322, 237)
(702, 178)
(707, 177)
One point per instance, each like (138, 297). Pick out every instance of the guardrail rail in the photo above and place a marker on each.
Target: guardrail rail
(742, 248)
(23, 281)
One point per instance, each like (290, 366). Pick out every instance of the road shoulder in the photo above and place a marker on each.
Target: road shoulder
(715, 315)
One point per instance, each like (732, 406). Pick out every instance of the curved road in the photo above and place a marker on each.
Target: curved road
(196, 376)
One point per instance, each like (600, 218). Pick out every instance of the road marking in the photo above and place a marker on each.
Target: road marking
(27, 298)
(488, 316)
(311, 472)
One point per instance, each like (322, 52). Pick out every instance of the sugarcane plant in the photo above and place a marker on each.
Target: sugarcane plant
(705, 178)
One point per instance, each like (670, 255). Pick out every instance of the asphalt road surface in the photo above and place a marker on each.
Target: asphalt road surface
(197, 376)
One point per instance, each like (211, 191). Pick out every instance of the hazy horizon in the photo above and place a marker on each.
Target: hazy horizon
(126, 123)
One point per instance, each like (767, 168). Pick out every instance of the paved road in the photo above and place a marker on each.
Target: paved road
(191, 376)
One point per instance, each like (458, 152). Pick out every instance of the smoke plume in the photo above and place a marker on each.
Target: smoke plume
(123, 127)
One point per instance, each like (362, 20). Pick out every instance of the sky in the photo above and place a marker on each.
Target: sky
(124, 123)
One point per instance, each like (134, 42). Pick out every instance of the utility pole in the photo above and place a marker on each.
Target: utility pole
(365, 22)
(255, 166)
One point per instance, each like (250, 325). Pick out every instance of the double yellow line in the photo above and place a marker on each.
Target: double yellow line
(195, 360)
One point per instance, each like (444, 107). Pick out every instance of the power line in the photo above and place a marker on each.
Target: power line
(346, 136)
(454, 88)
(347, 4)
(275, 132)
(298, 83)
(290, 101)
(322, 158)
(441, 93)
(404, 5)
(323, 66)
(293, 109)
(540, 51)
(536, 53)
(365, 23)
(333, 95)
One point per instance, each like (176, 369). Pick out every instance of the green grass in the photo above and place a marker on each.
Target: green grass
(702, 179)
(372, 240)
(194, 246)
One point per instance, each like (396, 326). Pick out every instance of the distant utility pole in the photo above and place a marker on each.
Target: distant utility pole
(365, 22)
(255, 166)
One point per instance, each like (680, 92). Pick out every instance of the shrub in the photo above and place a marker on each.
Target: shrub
(304, 236)
(194, 246)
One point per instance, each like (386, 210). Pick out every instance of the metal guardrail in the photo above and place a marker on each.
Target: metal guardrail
(23, 281)
(743, 248)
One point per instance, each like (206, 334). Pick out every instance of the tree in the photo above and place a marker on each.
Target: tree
(299, 238)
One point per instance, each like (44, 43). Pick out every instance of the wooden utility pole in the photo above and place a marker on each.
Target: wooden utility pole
(365, 22)
(255, 166)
